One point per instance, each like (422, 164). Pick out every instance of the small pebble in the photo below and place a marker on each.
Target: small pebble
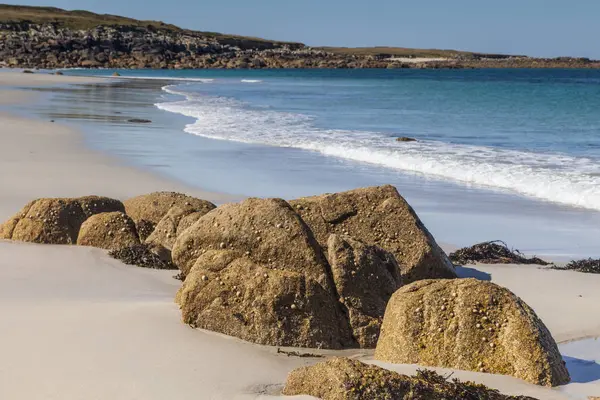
(478, 326)
(266, 275)
(492, 345)
(443, 308)
(480, 364)
(293, 307)
(238, 293)
(204, 278)
(222, 245)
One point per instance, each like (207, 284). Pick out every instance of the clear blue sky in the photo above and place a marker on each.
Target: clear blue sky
(531, 27)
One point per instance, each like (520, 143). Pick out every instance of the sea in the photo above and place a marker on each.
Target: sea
(500, 154)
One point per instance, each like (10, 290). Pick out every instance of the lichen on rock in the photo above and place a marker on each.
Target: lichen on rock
(378, 216)
(470, 325)
(254, 271)
(55, 220)
(365, 278)
(110, 231)
(147, 210)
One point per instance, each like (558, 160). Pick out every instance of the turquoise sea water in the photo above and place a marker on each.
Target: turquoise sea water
(530, 132)
(512, 153)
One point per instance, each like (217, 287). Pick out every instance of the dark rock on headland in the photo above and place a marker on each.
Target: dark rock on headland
(381, 217)
(405, 139)
(139, 121)
(32, 37)
(470, 325)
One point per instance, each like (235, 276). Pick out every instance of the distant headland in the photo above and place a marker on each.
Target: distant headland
(49, 38)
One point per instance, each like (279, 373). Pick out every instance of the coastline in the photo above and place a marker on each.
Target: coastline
(53, 161)
(114, 329)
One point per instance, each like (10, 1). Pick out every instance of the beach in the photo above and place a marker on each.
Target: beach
(80, 325)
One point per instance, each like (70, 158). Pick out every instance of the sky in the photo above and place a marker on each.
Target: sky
(540, 28)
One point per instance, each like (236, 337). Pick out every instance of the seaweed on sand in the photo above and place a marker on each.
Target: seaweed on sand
(589, 266)
(141, 256)
(494, 252)
(456, 389)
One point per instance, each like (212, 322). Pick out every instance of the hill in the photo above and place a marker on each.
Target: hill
(49, 37)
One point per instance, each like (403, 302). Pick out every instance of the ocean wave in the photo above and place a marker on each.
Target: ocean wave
(552, 177)
(251, 81)
(165, 78)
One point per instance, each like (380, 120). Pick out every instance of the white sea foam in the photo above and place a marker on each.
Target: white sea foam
(165, 78)
(552, 177)
(251, 81)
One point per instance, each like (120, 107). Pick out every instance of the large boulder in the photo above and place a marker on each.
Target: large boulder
(378, 216)
(347, 379)
(110, 231)
(147, 210)
(470, 325)
(254, 271)
(162, 239)
(55, 220)
(365, 278)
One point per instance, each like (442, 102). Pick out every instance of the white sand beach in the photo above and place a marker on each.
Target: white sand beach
(77, 324)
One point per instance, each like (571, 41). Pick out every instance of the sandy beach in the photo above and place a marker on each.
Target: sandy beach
(77, 324)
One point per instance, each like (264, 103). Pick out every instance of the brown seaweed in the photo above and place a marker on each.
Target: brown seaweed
(494, 252)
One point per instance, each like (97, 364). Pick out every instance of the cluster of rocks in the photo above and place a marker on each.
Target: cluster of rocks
(343, 270)
(52, 45)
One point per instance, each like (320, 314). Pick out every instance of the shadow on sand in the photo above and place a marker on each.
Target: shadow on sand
(582, 371)
(466, 272)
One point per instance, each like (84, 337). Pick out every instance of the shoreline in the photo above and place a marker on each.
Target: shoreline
(91, 307)
(56, 153)
(237, 170)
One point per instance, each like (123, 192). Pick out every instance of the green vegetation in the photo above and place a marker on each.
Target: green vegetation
(70, 19)
(82, 20)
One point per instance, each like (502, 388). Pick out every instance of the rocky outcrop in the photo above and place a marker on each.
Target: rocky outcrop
(55, 220)
(254, 271)
(365, 278)
(125, 43)
(163, 237)
(147, 210)
(381, 217)
(110, 231)
(346, 379)
(471, 325)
